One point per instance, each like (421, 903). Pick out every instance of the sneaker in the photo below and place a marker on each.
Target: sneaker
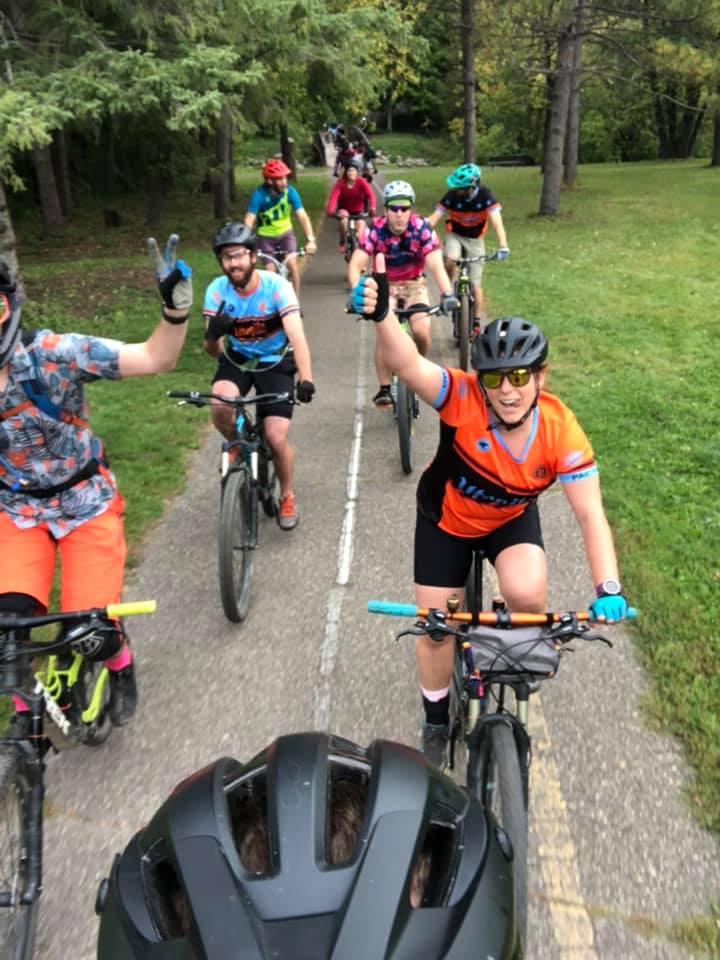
(287, 512)
(434, 744)
(383, 398)
(123, 694)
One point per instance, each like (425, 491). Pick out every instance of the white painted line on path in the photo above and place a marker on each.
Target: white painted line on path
(328, 651)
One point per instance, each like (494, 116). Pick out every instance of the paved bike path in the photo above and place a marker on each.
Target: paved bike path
(611, 842)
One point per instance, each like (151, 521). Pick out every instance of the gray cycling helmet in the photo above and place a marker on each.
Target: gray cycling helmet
(10, 313)
(351, 162)
(233, 234)
(509, 342)
(190, 884)
(398, 190)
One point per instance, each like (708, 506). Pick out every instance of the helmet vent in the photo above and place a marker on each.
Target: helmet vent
(247, 803)
(433, 872)
(166, 899)
(347, 798)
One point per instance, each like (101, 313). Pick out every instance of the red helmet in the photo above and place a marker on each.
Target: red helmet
(274, 169)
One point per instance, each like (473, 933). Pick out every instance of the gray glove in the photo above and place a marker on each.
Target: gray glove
(448, 303)
(174, 277)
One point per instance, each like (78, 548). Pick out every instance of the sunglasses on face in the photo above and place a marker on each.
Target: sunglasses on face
(394, 209)
(492, 379)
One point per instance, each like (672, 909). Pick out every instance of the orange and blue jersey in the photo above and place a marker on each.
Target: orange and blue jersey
(468, 217)
(258, 332)
(40, 451)
(404, 254)
(474, 483)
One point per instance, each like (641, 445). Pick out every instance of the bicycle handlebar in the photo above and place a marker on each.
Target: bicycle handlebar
(481, 256)
(279, 261)
(111, 612)
(494, 618)
(366, 215)
(197, 399)
(405, 312)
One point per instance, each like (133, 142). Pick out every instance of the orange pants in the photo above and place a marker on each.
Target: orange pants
(92, 560)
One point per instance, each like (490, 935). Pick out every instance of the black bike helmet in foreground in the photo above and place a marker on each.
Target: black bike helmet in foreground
(509, 342)
(10, 313)
(244, 861)
(233, 235)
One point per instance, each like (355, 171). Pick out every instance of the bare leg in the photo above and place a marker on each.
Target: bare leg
(276, 431)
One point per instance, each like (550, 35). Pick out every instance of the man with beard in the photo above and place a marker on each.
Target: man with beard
(58, 496)
(255, 331)
(268, 213)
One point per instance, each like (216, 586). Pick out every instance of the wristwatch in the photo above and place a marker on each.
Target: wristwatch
(608, 588)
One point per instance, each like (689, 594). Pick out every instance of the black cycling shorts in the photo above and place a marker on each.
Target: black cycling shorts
(277, 379)
(443, 560)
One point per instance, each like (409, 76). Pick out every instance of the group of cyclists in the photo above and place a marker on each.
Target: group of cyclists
(504, 439)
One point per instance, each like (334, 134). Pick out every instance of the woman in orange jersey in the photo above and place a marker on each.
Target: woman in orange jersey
(503, 440)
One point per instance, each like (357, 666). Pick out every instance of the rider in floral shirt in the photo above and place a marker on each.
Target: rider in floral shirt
(57, 492)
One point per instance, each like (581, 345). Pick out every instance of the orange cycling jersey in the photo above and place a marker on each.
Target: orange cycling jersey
(475, 484)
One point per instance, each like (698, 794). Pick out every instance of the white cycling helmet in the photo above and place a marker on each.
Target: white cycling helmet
(398, 190)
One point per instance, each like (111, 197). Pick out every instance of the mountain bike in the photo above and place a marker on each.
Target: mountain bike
(351, 237)
(465, 312)
(73, 692)
(500, 659)
(248, 480)
(406, 407)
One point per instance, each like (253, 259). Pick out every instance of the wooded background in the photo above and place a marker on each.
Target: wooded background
(102, 97)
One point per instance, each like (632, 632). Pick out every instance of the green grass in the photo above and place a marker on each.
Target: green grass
(624, 281)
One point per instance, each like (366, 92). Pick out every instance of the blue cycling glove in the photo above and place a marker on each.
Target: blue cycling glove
(502, 254)
(356, 298)
(609, 608)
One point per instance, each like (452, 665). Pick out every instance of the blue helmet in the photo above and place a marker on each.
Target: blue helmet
(468, 175)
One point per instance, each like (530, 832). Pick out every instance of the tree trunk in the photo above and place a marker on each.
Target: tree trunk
(572, 136)
(389, 115)
(8, 251)
(715, 157)
(552, 160)
(468, 61)
(221, 185)
(287, 149)
(232, 185)
(105, 164)
(62, 172)
(52, 215)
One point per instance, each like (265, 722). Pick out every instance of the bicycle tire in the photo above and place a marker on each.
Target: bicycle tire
(269, 484)
(236, 555)
(405, 422)
(18, 921)
(350, 245)
(457, 746)
(463, 331)
(502, 791)
(96, 732)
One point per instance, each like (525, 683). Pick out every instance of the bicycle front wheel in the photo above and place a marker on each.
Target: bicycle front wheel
(501, 789)
(463, 331)
(405, 422)
(458, 753)
(269, 484)
(17, 920)
(236, 550)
